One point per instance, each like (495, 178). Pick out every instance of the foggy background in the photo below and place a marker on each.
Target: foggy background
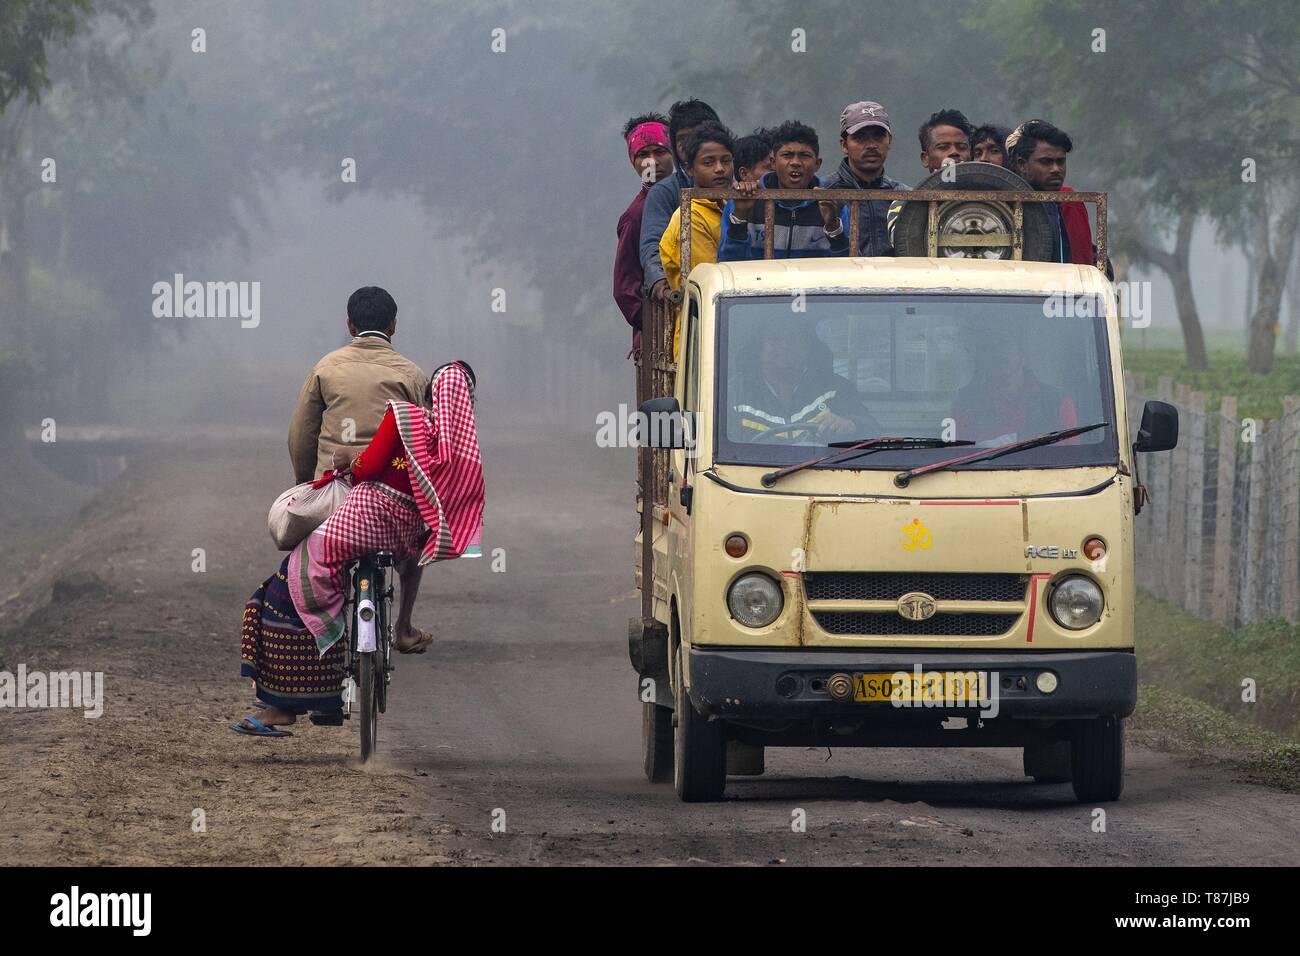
(480, 171)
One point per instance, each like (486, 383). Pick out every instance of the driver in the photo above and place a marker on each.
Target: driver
(791, 395)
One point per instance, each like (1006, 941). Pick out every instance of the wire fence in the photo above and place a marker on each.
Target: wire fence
(1220, 537)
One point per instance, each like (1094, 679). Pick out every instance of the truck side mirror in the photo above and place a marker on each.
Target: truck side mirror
(661, 424)
(1159, 429)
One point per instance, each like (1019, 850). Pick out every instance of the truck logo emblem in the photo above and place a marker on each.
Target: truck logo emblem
(915, 535)
(916, 606)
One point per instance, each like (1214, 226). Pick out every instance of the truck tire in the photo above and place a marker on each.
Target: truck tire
(657, 742)
(699, 747)
(912, 226)
(1097, 759)
(1049, 763)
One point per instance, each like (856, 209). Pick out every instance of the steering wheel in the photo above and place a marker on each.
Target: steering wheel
(770, 437)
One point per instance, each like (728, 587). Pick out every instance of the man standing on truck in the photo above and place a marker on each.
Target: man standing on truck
(945, 138)
(1036, 151)
(648, 149)
(752, 156)
(684, 117)
(710, 160)
(801, 229)
(865, 139)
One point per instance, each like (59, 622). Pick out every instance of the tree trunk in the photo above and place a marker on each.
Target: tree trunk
(1184, 298)
(1177, 266)
(1292, 337)
(1274, 264)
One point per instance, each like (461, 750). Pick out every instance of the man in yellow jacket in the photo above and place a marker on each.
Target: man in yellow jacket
(709, 157)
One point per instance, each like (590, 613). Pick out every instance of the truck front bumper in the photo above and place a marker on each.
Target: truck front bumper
(792, 684)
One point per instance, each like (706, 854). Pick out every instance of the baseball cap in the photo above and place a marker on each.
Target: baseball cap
(857, 116)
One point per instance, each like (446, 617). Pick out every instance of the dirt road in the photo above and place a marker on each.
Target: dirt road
(522, 712)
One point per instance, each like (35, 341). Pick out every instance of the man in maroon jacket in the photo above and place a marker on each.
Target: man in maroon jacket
(652, 158)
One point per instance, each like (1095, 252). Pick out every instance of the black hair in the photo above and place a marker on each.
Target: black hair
(991, 131)
(636, 121)
(371, 309)
(708, 133)
(792, 131)
(944, 118)
(1031, 133)
(750, 150)
(687, 114)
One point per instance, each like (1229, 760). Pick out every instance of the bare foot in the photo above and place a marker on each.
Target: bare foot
(272, 717)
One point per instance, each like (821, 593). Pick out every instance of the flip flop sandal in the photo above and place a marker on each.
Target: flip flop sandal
(420, 646)
(258, 729)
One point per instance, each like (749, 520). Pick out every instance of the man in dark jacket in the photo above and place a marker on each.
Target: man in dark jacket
(806, 229)
(865, 139)
(1036, 150)
(665, 197)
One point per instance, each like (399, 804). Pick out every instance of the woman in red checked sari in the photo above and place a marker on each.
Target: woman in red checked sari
(417, 492)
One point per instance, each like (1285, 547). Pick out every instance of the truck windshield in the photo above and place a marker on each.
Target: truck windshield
(800, 373)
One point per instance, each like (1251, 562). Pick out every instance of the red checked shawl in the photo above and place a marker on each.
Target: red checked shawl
(446, 467)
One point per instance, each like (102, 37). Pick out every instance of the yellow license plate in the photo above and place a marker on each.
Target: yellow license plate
(935, 686)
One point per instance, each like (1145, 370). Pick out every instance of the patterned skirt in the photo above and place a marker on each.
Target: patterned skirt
(279, 652)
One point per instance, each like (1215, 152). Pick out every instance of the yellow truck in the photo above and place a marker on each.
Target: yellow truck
(890, 502)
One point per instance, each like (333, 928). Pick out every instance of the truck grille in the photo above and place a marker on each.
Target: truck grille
(940, 625)
(891, 585)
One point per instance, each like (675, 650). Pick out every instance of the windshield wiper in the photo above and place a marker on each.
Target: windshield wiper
(864, 447)
(904, 477)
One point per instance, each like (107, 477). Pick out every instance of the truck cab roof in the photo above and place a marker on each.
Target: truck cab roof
(894, 274)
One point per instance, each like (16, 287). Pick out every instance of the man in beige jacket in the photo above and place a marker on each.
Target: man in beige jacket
(341, 405)
(343, 400)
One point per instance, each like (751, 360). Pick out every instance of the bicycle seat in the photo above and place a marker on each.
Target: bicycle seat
(384, 559)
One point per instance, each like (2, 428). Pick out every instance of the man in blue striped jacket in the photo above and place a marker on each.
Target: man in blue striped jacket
(801, 230)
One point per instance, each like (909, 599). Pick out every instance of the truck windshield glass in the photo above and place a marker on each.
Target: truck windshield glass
(796, 374)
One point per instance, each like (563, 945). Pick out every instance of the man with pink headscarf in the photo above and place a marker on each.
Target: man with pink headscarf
(651, 156)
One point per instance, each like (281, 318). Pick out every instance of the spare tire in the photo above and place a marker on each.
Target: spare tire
(974, 218)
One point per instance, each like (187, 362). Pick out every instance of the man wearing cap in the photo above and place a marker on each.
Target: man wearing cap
(865, 138)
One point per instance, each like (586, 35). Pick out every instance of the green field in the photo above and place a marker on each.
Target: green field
(1258, 396)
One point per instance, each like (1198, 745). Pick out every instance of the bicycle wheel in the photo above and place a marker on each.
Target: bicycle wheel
(369, 704)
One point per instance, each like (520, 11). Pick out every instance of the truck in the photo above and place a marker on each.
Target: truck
(890, 502)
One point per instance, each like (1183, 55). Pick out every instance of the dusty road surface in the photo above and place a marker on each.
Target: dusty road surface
(522, 712)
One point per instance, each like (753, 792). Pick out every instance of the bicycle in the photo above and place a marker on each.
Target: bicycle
(369, 658)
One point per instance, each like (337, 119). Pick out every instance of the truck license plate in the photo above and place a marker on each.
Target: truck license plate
(933, 686)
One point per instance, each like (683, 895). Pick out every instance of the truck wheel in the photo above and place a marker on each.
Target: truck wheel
(1097, 759)
(657, 742)
(699, 747)
(1049, 763)
(974, 218)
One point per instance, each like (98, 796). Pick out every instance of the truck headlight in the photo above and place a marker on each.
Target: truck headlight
(754, 600)
(1076, 602)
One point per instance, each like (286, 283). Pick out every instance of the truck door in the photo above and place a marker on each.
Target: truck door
(682, 474)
